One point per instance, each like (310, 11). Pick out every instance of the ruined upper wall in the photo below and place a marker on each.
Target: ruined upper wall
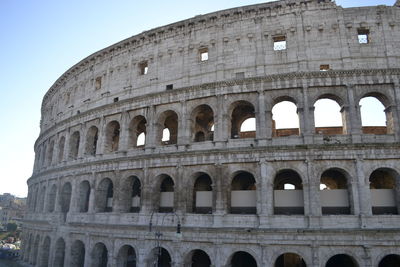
(240, 45)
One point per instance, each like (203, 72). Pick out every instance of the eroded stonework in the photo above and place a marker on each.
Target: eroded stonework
(110, 187)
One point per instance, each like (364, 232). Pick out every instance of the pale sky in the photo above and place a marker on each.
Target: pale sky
(41, 39)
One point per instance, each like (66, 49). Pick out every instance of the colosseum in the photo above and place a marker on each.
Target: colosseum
(143, 158)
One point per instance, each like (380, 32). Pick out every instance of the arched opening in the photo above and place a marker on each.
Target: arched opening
(241, 112)
(334, 193)
(74, 145)
(198, 258)
(35, 250)
(341, 260)
(91, 141)
(285, 120)
(104, 196)
(126, 257)
(51, 198)
(243, 259)
(59, 253)
(202, 194)
(391, 260)
(112, 137)
(65, 197)
(290, 260)
(202, 121)
(84, 196)
(160, 257)
(99, 255)
(137, 131)
(61, 145)
(168, 127)
(375, 118)
(78, 254)
(383, 185)
(243, 194)
(130, 194)
(167, 194)
(49, 155)
(328, 116)
(44, 257)
(288, 193)
(41, 201)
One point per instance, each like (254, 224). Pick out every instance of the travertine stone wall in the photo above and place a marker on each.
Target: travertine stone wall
(87, 161)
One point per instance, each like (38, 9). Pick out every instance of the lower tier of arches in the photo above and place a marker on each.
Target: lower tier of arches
(163, 246)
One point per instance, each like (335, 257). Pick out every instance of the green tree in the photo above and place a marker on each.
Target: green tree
(11, 227)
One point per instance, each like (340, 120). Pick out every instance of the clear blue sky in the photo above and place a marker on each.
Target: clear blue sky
(41, 39)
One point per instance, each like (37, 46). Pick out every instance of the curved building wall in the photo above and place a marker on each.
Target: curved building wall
(101, 193)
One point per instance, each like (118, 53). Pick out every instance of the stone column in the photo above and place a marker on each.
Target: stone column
(82, 141)
(57, 205)
(124, 132)
(360, 188)
(352, 117)
(183, 126)
(67, 252)
(88, 251)
(66, 146)
(261, 127)
(151, 128)
(395, 109)
(262, 196)
(101, 137)
(220, 129)
(179, 190)
(312, 204)
(146, 194)
(220, 207)
(92, 196)
(74, 197)
(308, 118)
(269, 188)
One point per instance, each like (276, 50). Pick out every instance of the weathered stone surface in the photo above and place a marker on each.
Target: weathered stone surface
(96, 188)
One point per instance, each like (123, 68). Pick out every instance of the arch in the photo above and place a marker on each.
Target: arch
(92, 137)
(290, 259)
(166, 194)
(288, 200)
(241, 111)
(202, 200)
(104, 196)
(168, 120)
(61, 145)
(391, 260)
(137, 128)
(45, 250)
(334, 193)
(243, 194)
(130, 194)
(384, 187)
(41, 200)
(49, 154)
(242, 259)
(112, 133)
(99, 255)
(51, 198)
(78, 254)
(159, 257)
(84, 196)
(59, 253)
(329, 116)
(65, 199)
(202, 119)
(35, 250)
(342, 260)
(74, 145)
(375, 117)
(285, 120)
(197, 258)
(126, 256)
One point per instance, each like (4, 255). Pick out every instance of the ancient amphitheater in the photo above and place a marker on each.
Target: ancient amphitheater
(142, 160)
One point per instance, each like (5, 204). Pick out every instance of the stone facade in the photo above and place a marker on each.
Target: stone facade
(109, 189)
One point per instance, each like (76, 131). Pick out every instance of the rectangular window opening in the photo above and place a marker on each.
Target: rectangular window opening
(203, 54)
(97, 84)
(116, 99)
(279, 43)
(169, 87)
(324, 67)
(363, 36)
(143, 68)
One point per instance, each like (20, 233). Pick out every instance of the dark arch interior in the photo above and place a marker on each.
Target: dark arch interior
(290, 260)
(243, 111)
(335, 180)
(380, 180)
(161, 257)
(341, 260)
(200, 259)
(243, 259)
(392, 260)
(201, 186)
